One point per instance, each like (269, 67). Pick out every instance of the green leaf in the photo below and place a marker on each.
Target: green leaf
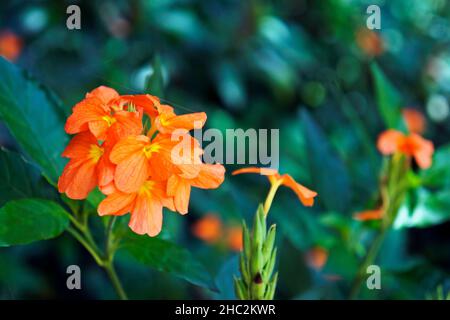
(18, 178)
(33, 118)
(155, 82)
(329, 176)
(168, 257)
(423, 208)
(28, 220)
(438, 175)
(388, 99)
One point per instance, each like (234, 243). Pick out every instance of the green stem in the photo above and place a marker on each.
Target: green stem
(270, 196)
(103, 260)
(110, 270)
(369, 259)
(86, 245)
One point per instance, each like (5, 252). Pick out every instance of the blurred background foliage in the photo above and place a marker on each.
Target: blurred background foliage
(311, 69)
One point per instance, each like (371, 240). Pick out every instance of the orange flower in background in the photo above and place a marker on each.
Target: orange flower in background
(139, 172)
(305, 195)
(316, 258)
(414, 120)
(10, 45)
(393, 141)
(234, 238)
(370, 42)
(208, 228)
(366, 215)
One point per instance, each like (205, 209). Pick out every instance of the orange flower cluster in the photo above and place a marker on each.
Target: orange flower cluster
(137, 169)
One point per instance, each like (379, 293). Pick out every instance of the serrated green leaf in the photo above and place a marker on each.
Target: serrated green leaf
(28, 220)
(33, 118)
(169, 257)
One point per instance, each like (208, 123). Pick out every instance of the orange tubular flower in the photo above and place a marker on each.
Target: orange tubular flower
(392, 141)
(305, 195)
(414, 120)
(145, 205)
(85, 167)
(101, 113)
(167, 121)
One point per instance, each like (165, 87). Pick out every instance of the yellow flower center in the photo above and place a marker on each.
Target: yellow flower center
(109, 120)
(147, 187)
(148, 150)
(95, 152)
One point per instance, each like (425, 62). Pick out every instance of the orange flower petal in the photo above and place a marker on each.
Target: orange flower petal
(132, 172)
(127, 147)
(117, 203)
(414, 120)
(423, 151)
(369, 215)
(146, 217)
(305, 195)
(261, 171)
(210, 176)
(80, 145)
(104, 94)
(389, 141)
(90, 109)
(182, 195)
(78, 179)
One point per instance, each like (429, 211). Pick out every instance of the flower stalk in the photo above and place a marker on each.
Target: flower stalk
(394, 185)
(257, 261)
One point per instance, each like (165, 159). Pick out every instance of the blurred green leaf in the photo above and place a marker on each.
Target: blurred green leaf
(33, 119)
(438, 175)
(423, 208)
(155, 81)
(388, 99)
(168, 257)
(329, 176)
(28, 220)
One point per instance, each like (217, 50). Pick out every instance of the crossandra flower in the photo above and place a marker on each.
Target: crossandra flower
(413, 145)
(305, 195)
(140, 170)
(87, 166)
(414, 120)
